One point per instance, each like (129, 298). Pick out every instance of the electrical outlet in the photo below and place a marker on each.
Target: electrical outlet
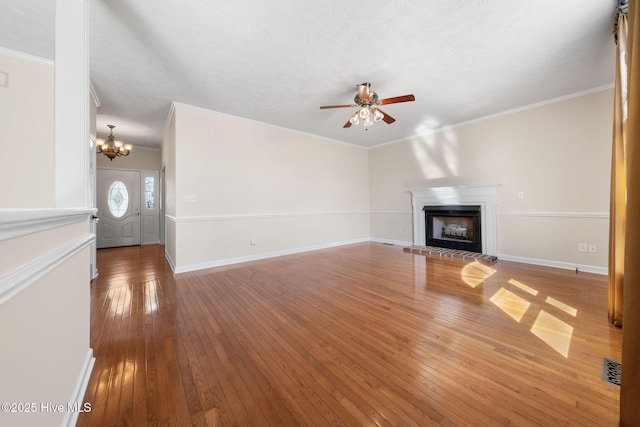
(520, 195)
(593, 248)
(252, 242)
(582, 247)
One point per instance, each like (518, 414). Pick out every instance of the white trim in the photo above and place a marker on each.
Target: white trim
(77, 396)
(228, 261)
(391, 242)
(557, 214)
(94, 94)
(26, 56)
(555, 264)
(19, 280)
(20, 222)
(502, 113)
(485, 196)
(170, 260)
(261, 216)
(172, 110)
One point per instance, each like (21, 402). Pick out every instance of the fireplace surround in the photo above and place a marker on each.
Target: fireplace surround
(454, 227)
(484, 196)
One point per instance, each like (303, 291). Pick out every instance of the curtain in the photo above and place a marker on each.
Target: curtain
(617, 208)
(630, 382)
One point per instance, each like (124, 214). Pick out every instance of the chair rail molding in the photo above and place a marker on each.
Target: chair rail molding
(20, 222)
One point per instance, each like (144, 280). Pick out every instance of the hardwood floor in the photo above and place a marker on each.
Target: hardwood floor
(364, 334)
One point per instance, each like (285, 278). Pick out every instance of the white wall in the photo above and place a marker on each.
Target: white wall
(283, 190)
(44, 312)
(26, 132)
(556, 154)
(45, 241)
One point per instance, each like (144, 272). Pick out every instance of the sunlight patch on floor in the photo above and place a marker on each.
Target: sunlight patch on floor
(562, 306)
(475, 273)
(553, 331)
(524, 287)
(151, 297)
(119, 301)
(510, 303)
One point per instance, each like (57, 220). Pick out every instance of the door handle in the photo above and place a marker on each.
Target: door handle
(138, 211)
(95, 218)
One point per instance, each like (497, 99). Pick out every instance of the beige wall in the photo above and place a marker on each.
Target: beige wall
(44, 327)
(284, 190)
(141, 158)
(26, 132)
(44, 255)
(557, 155)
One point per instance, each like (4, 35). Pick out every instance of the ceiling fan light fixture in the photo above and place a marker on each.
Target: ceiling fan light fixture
(367, 101)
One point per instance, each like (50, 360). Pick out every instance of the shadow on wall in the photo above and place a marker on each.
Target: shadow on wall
(436, 152)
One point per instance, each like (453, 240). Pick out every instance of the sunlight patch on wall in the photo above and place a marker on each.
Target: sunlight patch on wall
(512, 304)
(474, 273)
(553, 331)
(562, 306)
(435, 152)
(524, 287)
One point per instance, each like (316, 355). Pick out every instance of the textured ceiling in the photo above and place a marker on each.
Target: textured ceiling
(277, 62)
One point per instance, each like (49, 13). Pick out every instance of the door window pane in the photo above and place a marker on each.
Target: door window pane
(149, 192)
(118, 199)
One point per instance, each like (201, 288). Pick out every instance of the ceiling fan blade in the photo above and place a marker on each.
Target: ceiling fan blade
(397, 99)
(387, 118)
(347, 125)
(363, 91)
(337, 106)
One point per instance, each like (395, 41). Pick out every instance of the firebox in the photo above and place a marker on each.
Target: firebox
(454, 227)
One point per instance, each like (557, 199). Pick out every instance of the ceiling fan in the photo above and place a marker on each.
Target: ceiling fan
(368, 102)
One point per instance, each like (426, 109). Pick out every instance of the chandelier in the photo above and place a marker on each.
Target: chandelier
(112, 148)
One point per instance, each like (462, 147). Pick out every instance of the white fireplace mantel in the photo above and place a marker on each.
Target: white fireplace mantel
(485, 196)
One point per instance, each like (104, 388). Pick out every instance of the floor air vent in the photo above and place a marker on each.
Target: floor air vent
(611, 371)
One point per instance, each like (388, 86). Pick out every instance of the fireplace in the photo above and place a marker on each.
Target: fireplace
(483, 195)
(454, 227)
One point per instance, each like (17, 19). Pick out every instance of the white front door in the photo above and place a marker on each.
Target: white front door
(118, 195)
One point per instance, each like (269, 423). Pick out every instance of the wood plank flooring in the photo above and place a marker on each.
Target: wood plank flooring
(364, 334)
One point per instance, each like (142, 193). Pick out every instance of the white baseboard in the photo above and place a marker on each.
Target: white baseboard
(228, 261)
(170, 261)
(556, 264)
(237, 260)
(391, 242)
(70, 418)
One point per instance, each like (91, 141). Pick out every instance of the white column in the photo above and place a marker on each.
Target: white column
(72, 186)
